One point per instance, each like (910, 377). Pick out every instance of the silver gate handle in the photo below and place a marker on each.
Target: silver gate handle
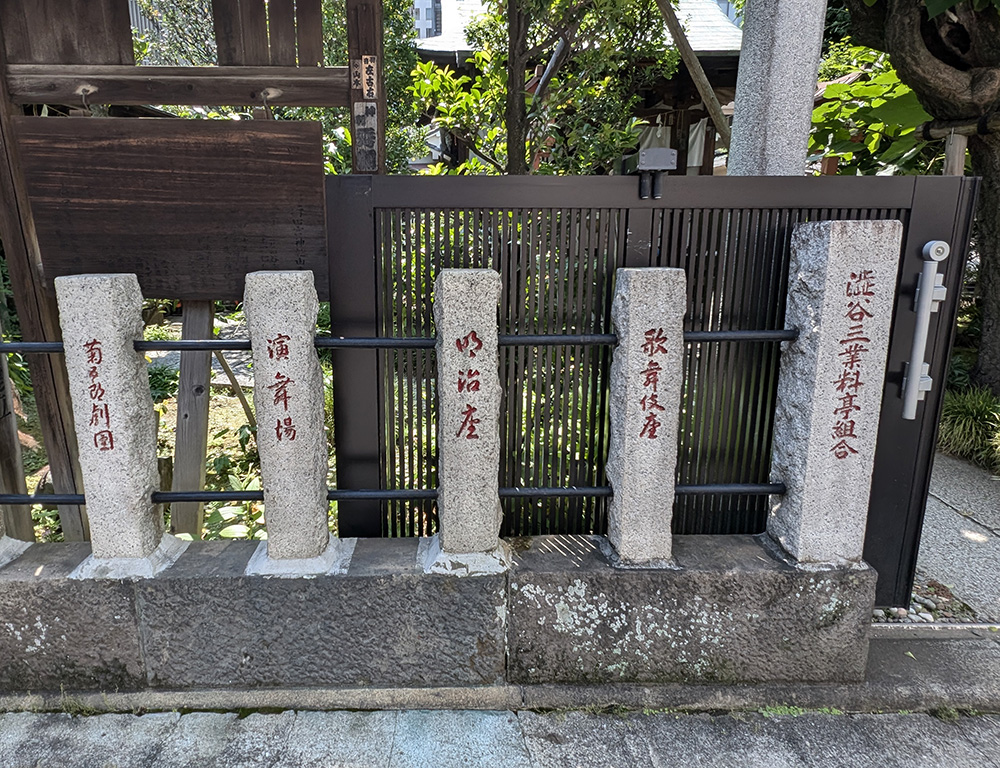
(930, 293)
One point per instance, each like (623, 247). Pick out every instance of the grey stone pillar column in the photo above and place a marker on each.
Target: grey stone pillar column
(646, 375)
(101, 318)
(281, 310)
(841, 290)
(775, 87)
(468, 443)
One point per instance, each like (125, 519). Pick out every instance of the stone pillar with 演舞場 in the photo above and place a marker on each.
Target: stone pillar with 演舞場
(841, 292)
(468, 443)
(281, 309)
(101, 319)
(646, 374)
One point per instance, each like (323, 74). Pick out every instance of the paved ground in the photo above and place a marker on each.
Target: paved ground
(960, 545)
(461, 739)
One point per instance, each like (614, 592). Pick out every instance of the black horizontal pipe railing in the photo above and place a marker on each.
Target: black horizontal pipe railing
(336, 494)
(416, 342)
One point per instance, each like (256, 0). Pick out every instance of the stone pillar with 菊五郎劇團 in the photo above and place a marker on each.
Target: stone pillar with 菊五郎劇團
(841, 293)
(281, 309)
(101, 319)
(646, 375)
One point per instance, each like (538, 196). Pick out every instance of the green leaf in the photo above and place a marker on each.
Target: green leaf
(237, 531)
(902, 110)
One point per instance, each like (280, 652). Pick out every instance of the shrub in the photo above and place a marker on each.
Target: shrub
(970, 422)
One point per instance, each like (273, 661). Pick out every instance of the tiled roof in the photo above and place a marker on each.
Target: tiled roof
(708, 28)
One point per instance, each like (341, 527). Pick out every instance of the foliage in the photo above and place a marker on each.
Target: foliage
(970, 421)
(600, 55)
(870, 124)
(162, 382)
(235, 472)
(937, 7)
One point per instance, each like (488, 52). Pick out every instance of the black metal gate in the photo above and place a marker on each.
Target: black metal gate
(556, 243)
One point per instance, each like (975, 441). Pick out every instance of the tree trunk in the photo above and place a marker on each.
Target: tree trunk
(516, 113)
(985, 151)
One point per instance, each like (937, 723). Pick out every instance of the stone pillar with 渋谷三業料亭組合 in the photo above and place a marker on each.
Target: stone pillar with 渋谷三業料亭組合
(841, 293)
(281, 309)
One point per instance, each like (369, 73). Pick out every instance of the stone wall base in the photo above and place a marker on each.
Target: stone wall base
(729, 612)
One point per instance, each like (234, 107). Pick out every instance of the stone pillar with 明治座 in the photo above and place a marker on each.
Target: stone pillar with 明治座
(468, 442)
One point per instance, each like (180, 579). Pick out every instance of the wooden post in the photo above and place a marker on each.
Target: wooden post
(368, 113)
(954, 154)
(39, 320)
(191, 441)
(17, 518)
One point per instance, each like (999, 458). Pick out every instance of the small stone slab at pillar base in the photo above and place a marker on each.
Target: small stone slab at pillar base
(432, 559)
(11, 549)
(336, 559)
(161, 558)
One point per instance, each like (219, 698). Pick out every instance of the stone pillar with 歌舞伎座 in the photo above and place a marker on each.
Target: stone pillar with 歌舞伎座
(841, 293)
(646, 374)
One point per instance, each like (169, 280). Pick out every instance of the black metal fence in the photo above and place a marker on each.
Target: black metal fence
(556, 244)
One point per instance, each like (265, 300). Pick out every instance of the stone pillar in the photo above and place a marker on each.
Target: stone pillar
(465, 312)
(101, 318)
(281, 310)
(775, 87)
(841, 290)
(646, 375)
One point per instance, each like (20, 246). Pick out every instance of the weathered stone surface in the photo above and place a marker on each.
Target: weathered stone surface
(730, 613)
(57, 632)
(385, 622)
(646, 376)
(281, 312)
(840, 296)
(101, 317)
(465, 314)
(775, 87)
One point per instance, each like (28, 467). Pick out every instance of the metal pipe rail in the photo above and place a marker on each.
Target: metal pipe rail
(414, 342)
(336, 494)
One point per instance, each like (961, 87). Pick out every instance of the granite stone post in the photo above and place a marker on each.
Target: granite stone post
(646, 375)
(281, 310)
(841, 291)
(775, 87)
(101, 318)
(465, 312)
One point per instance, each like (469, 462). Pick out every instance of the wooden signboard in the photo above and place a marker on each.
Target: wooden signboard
(190, 206)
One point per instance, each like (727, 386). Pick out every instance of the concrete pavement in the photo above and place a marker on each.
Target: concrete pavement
(960, 544)
(462, 739)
